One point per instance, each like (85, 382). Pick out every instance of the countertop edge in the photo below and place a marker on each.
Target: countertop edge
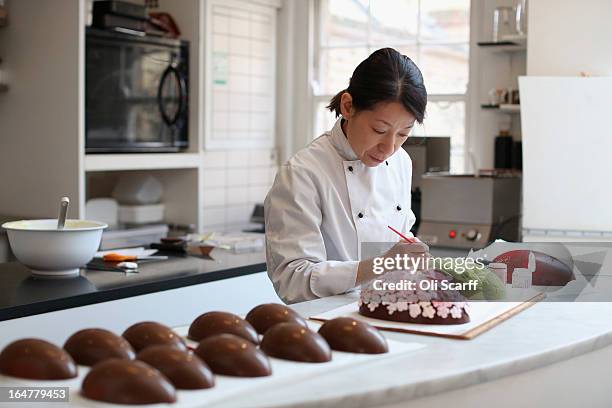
(53, 305)
(458, 380)
(461, 380)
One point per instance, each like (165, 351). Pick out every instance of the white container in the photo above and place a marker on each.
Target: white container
(138, 189)
(103, 209)
(141, 214)
(499, 269)
(47, 251)
(521, 278)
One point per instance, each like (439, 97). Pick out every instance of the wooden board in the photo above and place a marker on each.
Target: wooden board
(411, 328)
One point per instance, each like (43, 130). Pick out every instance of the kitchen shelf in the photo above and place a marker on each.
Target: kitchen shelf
(514, 45)
(141, 161)
(504, 108)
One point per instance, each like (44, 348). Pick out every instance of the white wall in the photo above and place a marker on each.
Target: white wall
(567, 37)
(41, 114)
(567, 164)
(233, 182)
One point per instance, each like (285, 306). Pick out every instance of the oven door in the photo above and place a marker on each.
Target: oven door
(136, 95)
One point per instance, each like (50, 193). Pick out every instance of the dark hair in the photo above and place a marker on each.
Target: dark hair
(385, 76)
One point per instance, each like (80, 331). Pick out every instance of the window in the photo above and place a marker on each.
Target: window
(433, 33)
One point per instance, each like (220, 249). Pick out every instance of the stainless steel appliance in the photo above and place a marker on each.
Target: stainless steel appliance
(463, 211)
(136, 93)
(257, 217)
(428, 154)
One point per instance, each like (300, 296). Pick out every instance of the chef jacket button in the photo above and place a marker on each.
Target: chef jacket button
(386, 162)
(360, 215)
(398, 208)
(350, 168)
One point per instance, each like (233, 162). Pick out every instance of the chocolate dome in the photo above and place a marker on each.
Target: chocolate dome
(291, 341)
(183, 368)
(228, 354)
(36, 359)
(264, 316)
(145, 334)
(213, 323)
(90, 346)
(354, 336)
(127, 382)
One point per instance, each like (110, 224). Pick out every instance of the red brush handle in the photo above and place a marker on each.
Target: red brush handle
(411, 240)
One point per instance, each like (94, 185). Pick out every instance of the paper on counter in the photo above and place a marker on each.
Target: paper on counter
(139, 251)
(235, 241)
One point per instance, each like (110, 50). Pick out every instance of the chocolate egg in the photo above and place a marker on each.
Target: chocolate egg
(145, 334)
(291, 341)
(213, 323)
(183, 368)
(36, 359)
(354, 336)
(127, 382)
(228, 354)
(90, 346)
(264, 316)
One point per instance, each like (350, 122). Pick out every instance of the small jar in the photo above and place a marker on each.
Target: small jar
(503, 23)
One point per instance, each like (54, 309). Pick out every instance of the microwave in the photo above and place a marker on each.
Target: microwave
(136, 93)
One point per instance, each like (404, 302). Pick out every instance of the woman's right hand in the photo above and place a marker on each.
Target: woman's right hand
(409, 254)
(409, 248)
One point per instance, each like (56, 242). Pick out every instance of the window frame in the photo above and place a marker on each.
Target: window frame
(317, 97)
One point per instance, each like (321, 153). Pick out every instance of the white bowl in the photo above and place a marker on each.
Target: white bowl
(40, 246)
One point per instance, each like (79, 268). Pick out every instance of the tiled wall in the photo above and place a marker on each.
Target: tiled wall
(234, 181)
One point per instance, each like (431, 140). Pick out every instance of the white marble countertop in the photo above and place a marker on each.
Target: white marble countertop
(546, 333)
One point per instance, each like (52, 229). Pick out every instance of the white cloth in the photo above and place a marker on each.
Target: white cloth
(323, 205)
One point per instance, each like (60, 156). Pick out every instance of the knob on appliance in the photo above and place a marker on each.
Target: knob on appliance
(472, 235)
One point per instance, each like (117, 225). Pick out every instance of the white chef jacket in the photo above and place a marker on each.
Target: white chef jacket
(323, 205)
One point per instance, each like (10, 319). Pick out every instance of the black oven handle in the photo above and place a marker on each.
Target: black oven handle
(171, 70)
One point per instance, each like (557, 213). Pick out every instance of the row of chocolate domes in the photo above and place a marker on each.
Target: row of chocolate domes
(228, 345)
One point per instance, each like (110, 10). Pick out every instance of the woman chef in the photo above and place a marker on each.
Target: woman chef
(348, 185)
